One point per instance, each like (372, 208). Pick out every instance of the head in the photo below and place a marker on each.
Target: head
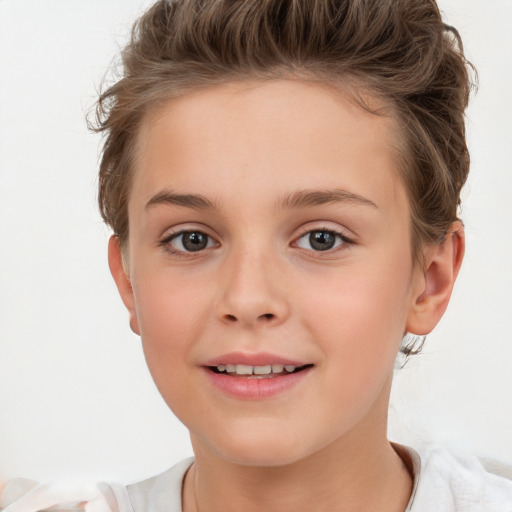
(376, 87)
(398, 51)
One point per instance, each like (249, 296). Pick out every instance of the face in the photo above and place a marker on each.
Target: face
(270, 268)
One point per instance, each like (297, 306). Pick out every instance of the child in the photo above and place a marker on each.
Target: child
(282, 179)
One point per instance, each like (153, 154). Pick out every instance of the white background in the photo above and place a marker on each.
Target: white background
(75, 395)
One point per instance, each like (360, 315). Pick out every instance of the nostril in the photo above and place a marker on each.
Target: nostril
(265, 317)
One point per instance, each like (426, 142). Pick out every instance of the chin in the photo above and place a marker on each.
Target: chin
(258, 446)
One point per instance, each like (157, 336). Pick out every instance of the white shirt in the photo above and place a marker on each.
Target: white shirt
(442, 483)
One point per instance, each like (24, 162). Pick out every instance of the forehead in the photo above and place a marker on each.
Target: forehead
(289, 133)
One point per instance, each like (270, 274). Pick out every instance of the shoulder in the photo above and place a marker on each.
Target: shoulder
(23, 495)
(161, 493)
(460, 483)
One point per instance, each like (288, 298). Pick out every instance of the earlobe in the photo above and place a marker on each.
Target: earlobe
(121, 277)
(434, 286)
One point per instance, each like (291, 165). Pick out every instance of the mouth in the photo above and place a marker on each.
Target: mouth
(268, 371)
(256, 376)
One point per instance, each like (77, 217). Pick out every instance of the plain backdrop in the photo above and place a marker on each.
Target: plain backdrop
(75, 394)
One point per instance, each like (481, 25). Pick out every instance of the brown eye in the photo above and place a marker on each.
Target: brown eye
(321, 240)
(191, 241)
(194, 241)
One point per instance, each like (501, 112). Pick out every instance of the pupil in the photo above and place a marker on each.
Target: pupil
(194, 241)
(322, 240)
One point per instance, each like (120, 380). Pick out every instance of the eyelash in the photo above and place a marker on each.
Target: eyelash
(341, 240)
(166, 243)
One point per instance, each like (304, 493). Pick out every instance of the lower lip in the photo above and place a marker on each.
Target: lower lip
(250, 388)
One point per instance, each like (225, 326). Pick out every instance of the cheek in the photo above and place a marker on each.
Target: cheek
(359, 316)
(361, 302)
(171, 318)
(166, 314)
(357, 322)
(168, 298)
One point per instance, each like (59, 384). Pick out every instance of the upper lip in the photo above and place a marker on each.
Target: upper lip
(255, 359)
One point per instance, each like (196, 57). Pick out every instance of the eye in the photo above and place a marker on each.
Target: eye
(321, 240)
(188, 241)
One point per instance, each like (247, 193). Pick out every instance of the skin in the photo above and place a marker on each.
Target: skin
(259, 286)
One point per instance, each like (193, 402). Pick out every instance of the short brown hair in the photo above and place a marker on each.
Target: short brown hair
(399, 50)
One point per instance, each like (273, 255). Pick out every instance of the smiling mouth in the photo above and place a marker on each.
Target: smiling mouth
(257, 372)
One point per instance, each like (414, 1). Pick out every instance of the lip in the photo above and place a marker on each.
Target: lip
(252, 387)
(255, 359)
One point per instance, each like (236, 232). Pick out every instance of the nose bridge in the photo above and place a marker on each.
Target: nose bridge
(252, 293)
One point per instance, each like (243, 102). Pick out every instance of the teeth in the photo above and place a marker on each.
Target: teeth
(262, 370)
(243, 369)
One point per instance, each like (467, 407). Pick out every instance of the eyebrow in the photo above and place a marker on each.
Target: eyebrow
(310, 198)
(194, 201)
(298, 199)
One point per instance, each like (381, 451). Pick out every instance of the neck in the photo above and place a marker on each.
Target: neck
(360, 472)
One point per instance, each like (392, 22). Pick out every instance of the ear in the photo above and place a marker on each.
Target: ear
(434, 283)
(122, 279)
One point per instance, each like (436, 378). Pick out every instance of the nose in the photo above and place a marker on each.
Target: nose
(252, 291)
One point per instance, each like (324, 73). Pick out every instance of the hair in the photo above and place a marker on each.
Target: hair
(397, 50)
